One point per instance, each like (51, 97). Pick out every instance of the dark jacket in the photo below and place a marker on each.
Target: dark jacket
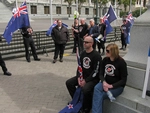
(25, 33)
(94, 31)
(83, 29)
(60, 36)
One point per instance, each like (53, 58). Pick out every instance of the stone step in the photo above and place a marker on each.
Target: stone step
(130, 101)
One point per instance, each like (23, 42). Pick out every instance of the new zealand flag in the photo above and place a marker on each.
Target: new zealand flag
(19, 19)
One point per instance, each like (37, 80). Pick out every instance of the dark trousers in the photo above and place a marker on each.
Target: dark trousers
(59, 50)
(75, 43)
(87, 90)
(123, 41)
(94, 44)
(80, 45)
(2, 63)
(29, 42)
(100, 46)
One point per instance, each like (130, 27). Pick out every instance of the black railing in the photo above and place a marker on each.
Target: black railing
(43, 43)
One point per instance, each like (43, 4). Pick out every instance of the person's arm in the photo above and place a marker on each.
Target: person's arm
(67, 34)
(102, 70)
(96, 67)
(52, 34)
(123, 73)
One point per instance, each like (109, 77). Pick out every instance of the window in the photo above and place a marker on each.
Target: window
(68, 10)
(87, 11)
(58, 10)
(46, 10)
(33, 9)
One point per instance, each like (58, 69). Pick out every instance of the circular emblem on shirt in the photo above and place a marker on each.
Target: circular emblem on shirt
(109, 69)
(86, 62)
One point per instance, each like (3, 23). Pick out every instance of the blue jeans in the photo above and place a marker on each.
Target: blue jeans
(99, 95)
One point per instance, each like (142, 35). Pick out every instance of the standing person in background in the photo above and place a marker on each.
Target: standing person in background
(60, 35)
(93, 31)
(83, 29)
(28, 41)
(124, 35)
(75, 33)
(113, 76)
(102, 40)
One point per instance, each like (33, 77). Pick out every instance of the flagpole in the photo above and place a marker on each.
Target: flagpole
(16, 4)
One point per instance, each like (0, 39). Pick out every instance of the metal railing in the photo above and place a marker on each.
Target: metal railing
(43, 43)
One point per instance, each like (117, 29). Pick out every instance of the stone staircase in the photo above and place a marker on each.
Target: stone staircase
(5, 11)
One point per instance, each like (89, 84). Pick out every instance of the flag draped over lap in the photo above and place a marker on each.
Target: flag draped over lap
(18, 20)
(75, 105)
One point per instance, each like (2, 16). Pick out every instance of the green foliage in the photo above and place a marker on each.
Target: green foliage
(136, 13)
(122, 13)
(69, 1)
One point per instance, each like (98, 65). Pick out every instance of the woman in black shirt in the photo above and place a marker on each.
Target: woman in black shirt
(113, 76)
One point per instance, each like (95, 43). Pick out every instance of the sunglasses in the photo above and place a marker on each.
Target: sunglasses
(86, 42)
(107, 50)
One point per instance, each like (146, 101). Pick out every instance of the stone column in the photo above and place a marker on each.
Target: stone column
(137, 54)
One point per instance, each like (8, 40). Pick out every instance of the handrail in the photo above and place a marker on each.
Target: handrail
(43, 43)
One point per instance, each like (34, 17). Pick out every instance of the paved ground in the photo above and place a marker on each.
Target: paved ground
(38, 86)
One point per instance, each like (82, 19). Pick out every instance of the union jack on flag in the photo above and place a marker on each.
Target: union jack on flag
(18, 20)
(21, 10)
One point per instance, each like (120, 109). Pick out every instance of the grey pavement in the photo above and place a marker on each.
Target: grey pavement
(38, 86)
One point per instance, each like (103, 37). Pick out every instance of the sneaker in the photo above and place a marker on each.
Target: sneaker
(121, 48)
(54, 61)
(28, 60)
(61, 60)
(148, 93)
(7, 73)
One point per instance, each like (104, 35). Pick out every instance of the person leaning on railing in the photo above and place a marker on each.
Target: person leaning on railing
(3, 65)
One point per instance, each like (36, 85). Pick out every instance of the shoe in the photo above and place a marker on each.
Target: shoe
(148, 93)
(84, 111)
(124, 49)
(61, 60)
(54, 61)
(7, 73)
(28, 60)
(37, 59)
(121, 49)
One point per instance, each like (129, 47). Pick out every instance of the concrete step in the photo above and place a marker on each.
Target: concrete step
(130, 101)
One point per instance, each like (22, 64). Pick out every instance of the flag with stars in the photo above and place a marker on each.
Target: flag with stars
(19, 19)
(75, 105)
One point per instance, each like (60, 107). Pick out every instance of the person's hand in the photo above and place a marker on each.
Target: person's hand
(83, 82)
(79, 81)
(106, 86)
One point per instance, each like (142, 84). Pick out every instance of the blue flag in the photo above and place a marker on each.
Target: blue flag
(111, 14)
(109, 29)
(149, 52)
(19, 19)
(48, 33)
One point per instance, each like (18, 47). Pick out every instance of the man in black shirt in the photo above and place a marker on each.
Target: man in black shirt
(28, 41)
(90, 63)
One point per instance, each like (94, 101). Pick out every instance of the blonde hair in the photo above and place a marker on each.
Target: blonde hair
(114, 50)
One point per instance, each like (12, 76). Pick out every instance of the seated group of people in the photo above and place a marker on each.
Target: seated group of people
(100, 76)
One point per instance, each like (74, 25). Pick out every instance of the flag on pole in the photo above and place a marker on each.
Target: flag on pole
(75, 105)
(49, 31)
(146, 75)
(111, 14)
(19, 19)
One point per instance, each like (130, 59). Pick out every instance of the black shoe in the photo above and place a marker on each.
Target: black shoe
(37, 59)
(28, 60)
(7, 73)
(54, 61)
(124, 49)
(148, 93)
(61, 60)
(102, 54)
(84, 111)
(121, 48)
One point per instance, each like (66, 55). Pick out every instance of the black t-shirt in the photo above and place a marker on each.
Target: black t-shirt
(124, 28)
(114, 72)
(102, 28)
(83, 30)
(90, 63)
